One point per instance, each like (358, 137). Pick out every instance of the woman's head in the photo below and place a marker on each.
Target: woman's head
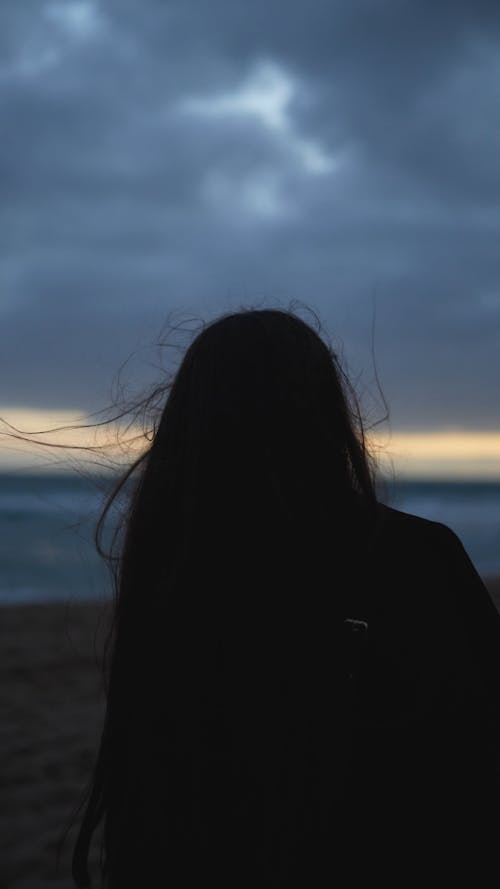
(260, 403)
(247, 510)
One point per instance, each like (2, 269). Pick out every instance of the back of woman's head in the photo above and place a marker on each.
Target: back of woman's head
(248, 510)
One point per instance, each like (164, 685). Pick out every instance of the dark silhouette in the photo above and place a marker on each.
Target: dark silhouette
(303, 683)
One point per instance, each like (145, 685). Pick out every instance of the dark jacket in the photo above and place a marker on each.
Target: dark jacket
(393, 776)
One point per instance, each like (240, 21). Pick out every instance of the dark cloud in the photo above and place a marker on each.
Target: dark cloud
(360, 166)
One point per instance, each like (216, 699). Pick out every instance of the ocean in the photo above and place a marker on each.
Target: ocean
(47, 523)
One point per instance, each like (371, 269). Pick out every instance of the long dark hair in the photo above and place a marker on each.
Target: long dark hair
(247, 516)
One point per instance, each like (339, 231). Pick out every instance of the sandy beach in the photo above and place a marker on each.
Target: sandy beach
(52, 704)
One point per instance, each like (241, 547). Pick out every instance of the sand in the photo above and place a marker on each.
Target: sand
(52, 705)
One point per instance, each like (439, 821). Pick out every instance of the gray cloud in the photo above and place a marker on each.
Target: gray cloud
(199, 155)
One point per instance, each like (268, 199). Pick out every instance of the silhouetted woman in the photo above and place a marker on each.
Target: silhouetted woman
(303, 682)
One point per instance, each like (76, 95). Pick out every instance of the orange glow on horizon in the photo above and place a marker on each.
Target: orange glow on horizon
(452, 453)
(446, 453)
(62, 448)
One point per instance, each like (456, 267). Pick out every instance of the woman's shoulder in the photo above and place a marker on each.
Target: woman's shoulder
(395, 523)
(424, 552)
(395, 518)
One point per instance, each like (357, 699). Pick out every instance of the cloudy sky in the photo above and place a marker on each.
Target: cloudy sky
(201, 155)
